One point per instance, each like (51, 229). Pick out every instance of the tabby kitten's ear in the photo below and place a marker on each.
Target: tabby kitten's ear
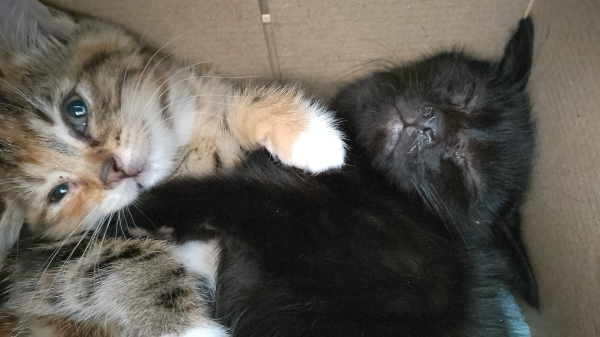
(515, 66)
(27, 26)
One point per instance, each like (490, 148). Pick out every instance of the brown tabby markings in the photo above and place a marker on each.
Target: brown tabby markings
(107, 284)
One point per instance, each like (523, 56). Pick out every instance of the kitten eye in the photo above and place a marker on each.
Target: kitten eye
(59, 192)
(427, 112)
(76, 112)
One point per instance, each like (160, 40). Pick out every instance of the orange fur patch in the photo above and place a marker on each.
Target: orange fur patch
(273, 117)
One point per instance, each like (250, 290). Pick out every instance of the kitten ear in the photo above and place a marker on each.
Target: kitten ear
(28, 25)
(516, 63)
(11, 221)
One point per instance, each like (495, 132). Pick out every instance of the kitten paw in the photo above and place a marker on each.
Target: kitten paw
(320, 147)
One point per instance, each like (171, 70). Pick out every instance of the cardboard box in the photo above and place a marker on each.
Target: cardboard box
(328, 41)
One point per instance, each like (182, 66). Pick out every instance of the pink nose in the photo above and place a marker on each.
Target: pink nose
(113, 173)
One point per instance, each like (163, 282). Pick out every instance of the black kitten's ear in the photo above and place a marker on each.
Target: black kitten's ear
(27, 26)
(516, 63)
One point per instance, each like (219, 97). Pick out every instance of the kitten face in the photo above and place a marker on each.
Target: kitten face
(83, 119)
(441, 124)
(425, 120)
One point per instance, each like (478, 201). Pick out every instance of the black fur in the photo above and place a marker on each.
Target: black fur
(402, 241)
(471, 160)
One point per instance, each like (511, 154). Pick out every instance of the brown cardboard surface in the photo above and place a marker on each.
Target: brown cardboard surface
(227, 33)
(324, 41)
(563, 213)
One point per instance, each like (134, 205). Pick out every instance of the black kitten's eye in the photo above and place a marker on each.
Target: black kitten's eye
(59, 192)
(427, 112)
(76, 112)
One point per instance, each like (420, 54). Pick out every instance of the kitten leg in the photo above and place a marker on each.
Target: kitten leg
(141, 286)
(300, 132)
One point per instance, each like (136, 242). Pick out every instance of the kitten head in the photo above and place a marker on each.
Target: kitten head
(84, 118)
(450, 127)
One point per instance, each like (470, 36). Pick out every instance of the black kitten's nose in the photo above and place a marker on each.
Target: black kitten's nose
(425, 136)
(428, 135)
(428, 122)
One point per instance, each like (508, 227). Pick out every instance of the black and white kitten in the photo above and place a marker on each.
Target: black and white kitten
(406, 240)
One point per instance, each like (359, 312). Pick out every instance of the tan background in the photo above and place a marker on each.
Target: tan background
(327, 41)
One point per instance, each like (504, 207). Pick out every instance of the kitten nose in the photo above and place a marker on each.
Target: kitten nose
(112, 172)
(429, 124)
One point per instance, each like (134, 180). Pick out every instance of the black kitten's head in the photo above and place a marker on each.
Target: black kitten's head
(451, 127)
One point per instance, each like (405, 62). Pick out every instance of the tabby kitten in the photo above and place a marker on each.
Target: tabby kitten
(91, 115)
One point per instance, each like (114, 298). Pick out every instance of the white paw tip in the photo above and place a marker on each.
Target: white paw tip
(321, 147)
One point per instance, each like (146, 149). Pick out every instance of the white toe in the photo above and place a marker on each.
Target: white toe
(321, 146)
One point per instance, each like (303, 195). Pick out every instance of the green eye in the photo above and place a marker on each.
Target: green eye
(76, 113)
(59, 192)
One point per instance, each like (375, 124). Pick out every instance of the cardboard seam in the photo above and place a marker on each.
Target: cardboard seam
(270, 39)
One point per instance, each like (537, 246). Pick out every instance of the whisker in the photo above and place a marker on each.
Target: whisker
(102, 242)
(51, 259)
(64, 266)
(136, 91)
(20, 93)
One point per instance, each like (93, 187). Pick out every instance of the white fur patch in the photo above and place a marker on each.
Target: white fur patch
(321, 147)
(200, 258)
(205, 330)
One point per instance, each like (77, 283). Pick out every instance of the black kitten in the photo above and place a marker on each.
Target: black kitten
(395, 244)
(457, 131)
